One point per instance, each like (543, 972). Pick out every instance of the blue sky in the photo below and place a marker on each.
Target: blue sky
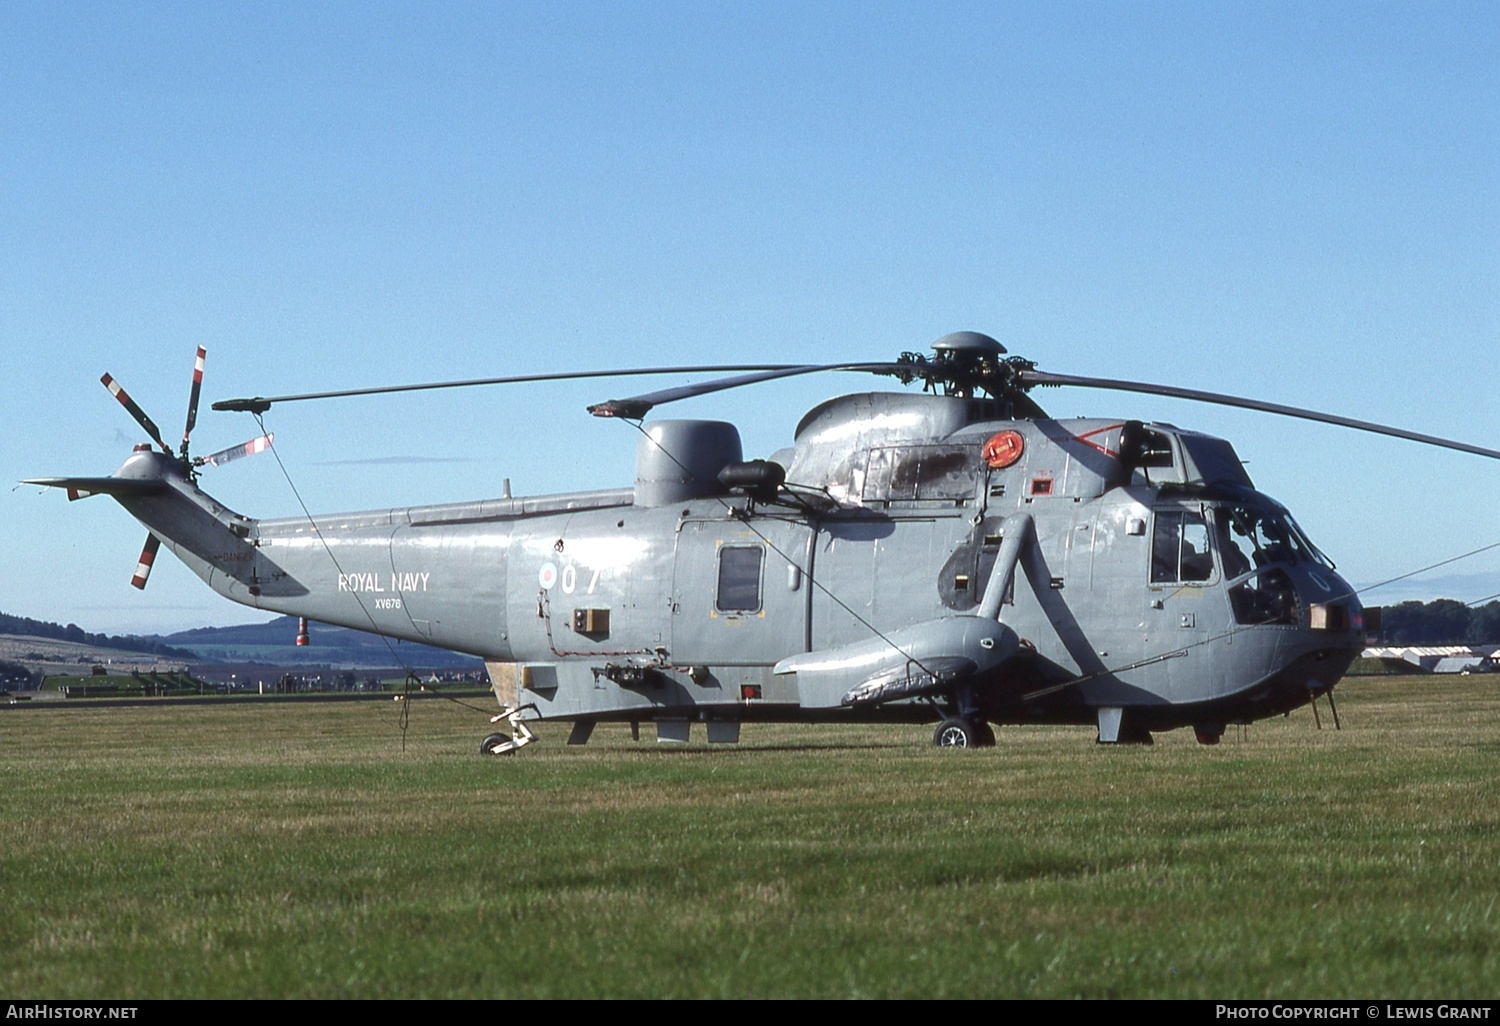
(1297, 202)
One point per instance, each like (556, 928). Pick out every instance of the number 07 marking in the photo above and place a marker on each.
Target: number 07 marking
(567, 578)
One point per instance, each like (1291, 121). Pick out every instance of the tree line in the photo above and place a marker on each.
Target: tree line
(1440, 622)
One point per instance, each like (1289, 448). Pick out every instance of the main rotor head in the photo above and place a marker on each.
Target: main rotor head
(971, 344)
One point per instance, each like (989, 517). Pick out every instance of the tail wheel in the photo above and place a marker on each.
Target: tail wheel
(496, 744)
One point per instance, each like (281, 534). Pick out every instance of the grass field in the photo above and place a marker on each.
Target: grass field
(299, 851)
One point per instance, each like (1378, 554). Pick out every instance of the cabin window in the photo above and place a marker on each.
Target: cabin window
(739, 578)
(917, 472)
(1179, 548)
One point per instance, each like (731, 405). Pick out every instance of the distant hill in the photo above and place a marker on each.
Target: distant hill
(272, 643)
(275, 643)
(22, 625)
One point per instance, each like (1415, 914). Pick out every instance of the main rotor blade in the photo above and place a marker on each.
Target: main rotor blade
(192, 417)
(135, 411)
(234, 452)
(638, 406)
(260, 404)
(1036, 377)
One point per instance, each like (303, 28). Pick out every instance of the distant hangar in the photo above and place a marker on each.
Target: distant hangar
(1440, 658)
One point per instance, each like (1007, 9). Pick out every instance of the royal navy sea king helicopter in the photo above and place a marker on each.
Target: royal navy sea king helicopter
(953, 555)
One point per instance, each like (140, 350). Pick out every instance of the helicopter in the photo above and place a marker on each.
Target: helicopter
(952, 555)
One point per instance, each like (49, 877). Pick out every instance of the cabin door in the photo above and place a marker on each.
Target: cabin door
(740, 595)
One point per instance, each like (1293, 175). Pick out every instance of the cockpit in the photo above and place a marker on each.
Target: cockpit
(1251, 537)
(1260, 552)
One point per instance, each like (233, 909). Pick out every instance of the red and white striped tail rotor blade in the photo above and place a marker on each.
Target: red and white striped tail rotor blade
(148, 556)
(135, 411)
(234, 452)
(192, 417)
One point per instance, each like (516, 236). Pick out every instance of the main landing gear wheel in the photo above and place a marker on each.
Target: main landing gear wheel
(957, 732)
(494, 741)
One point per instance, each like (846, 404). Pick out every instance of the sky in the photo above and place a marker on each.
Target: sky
(1294, 202)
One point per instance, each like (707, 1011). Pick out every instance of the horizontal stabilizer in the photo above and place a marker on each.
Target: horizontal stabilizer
(82, 487)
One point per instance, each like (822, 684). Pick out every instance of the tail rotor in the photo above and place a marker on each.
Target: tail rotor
(192, 417)
(116, 390)
(189, 464)
(148, 557)
(234, 452)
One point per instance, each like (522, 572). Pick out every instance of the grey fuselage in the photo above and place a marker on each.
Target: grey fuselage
(1156, 580)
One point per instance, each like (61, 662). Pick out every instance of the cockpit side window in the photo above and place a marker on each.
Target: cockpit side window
(1179, 548)
(1265, 598)
(1235, 548)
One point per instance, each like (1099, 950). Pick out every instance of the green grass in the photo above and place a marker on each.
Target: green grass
(298, 851)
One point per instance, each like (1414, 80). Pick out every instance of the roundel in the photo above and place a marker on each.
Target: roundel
(1003, 449)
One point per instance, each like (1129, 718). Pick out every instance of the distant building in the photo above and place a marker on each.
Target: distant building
(1440, 658)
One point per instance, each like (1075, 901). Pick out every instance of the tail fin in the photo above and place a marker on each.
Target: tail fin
(216, 543)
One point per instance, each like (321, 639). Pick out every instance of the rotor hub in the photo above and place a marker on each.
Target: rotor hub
(970, 344)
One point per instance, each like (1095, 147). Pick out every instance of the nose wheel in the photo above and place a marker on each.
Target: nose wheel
(963, 732)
